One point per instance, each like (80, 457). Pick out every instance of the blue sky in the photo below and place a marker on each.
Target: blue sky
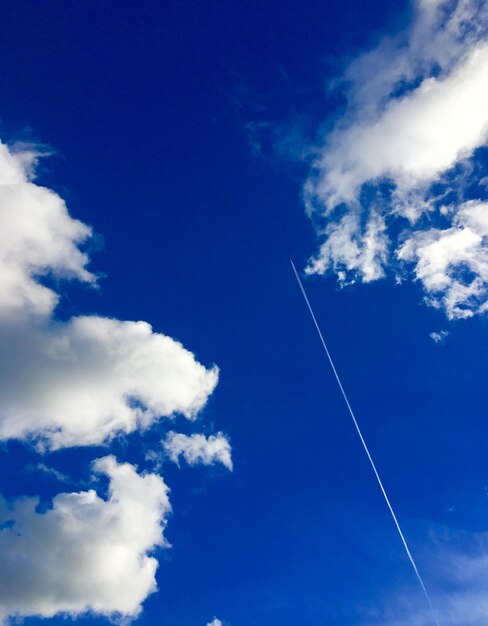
(205, 144)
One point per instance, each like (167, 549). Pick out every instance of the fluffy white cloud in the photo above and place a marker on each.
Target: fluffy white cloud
(86, 553)
(38, 238)
(199, 449)
(440, 34)
(349, 248)
(82, 381)
(385, 184)
(416, 138)
(215, 622)
(452, 263)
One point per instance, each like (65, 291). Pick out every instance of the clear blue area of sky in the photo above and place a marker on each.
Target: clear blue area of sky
(150, 107)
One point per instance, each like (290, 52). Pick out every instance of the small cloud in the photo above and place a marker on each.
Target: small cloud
(49, 471)
(215, 622)
(439, 336)
(199, 449)
(155, 459)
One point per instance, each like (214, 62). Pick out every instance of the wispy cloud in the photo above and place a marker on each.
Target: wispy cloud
(394, 185)
(49, 471)
(439, 336)
(459, 581)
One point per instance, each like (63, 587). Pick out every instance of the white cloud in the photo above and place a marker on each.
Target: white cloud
(440, 34)
(38, 238)
(348, 247)
(452, 263)
(199, 449)
(86, 553)
(82, 381)
(215, 622)
(79, 382)
(416, 110)
(439, 336)
(416, 138)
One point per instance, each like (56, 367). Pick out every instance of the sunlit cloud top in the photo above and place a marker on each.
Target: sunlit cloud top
(396, 185)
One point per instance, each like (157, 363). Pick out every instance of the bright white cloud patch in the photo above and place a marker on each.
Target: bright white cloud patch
(71, 383)
(38, 238)
(199, 449)
(415, 139)
(417, 113)
(86, 553)
(452, 263)
(83, 381)
(215, 622)
(349, 247)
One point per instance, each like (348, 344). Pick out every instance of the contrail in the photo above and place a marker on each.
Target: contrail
(366, 449)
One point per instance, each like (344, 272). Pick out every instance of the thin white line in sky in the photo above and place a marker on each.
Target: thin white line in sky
(366, 449)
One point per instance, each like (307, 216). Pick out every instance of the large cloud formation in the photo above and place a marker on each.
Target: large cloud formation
(78, 382)
(85, 553)
(394, 184)
(82, 381)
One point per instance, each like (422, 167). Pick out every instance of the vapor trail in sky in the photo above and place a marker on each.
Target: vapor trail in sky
(366, 449)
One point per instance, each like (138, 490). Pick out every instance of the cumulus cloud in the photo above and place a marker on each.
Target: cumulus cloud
(199, 449)
(392, 175)
(39, 238)
(82, 381)
(78, 382)
(417, 137)
(350, 247)
(86, 552)
(215, 622)
(452, 263)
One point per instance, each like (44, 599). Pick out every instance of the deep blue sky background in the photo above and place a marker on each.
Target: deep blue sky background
(148, 106)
